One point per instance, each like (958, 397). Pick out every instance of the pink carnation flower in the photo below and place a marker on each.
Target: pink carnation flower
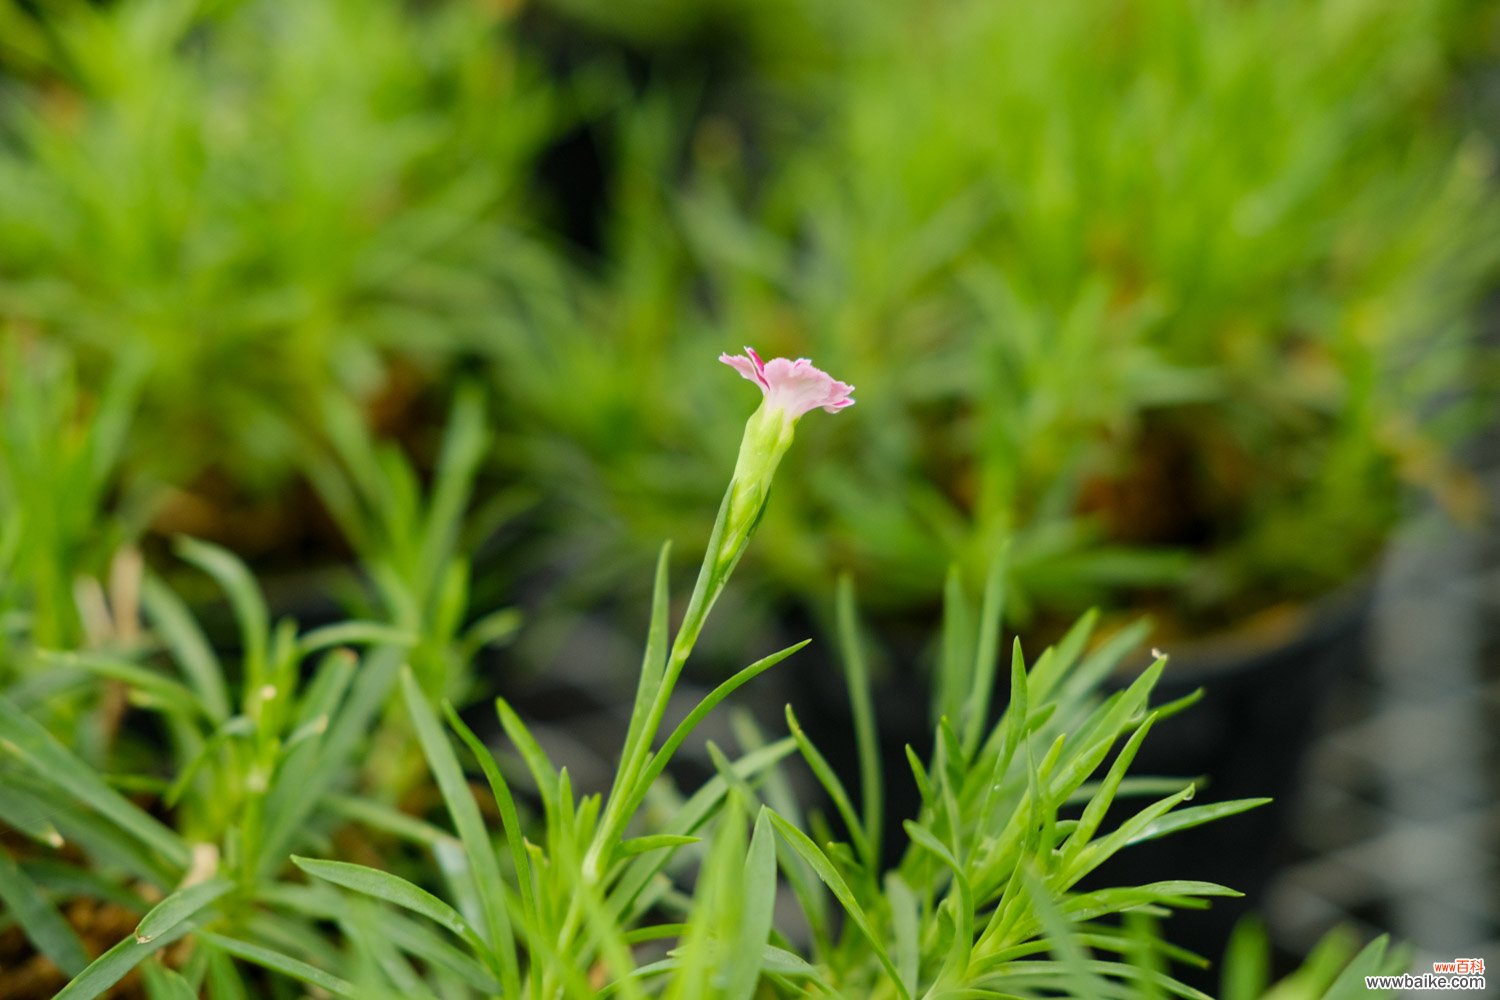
(795, 387)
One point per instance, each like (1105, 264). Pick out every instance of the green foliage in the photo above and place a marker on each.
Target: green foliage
(410, 540)
(1169, 294)
(252, 752)
(1138, 294)
(984, 903)
(59, 455)
(263, 204)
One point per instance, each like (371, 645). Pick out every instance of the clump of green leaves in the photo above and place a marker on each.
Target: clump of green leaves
(1179, 306)
(643, 893)
(63, 509)
(267, 202)
(254, 760)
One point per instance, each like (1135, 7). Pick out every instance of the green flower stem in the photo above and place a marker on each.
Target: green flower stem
(768, 435)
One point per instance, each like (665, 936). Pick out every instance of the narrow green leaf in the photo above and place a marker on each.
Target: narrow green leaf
(653, 664)
(1372, 960)
(176, 627)
(707, 705)
(957, 657)
(163, 983)
(1184, 819)
(1247, 962)
(102, 841)
(354, 634)
(471, 830)
(1098, 806)
(905, 927)
(1101, 662)
(234, 726)
(23, 816)
(112, 966)
(458, 462)
(956, 964)
(392, 889)
(510, 820)
(60, 879)
(1055, 663)
(178, 907)
(862, 706)
(689, 817)
(757, 903)
(654, 842)
(835, 789)
(542, 771)
(986, 658)
(284, 964)
(1083, 981)
(306, 776)
(43, 926)
(829, 874)
(244, 596)
(147, 686)
(49, 760)
(384, 817)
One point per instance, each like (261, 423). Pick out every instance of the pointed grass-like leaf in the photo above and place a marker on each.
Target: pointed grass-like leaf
(453, 480)
(1246, 971)
(433, 948)
(112, 966)
(392, 889)
(1095, 853)
(758, 901)
(956, 660)
(1083, 982)
(163, 983)
(43, 926)
(244, 596)
(63, 880)
(836, 793)
(1179, 893)
(312, 769)
(862, 707)
(1185, 819)
(1101, 662)
(688, 818)
(1374, 959)
(543, 773)
(236, 726)
(825, 870)
(963, 904)
(354, 634)
(175, 625)
(25, 817)
(653, 664)
(269, 958)
(653, 842)
(102, 841)
(178, 907)
(1053, 665)
(510, 820)
(146, 686)
(986, 656)
(709, 702)
(1093, 813)
(905, 927)
(470, 826)
(35, 748)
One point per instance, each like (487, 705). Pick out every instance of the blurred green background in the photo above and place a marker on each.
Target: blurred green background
(1180, 298)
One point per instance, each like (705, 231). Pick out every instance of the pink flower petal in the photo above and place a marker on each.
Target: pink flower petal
(795, 387)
